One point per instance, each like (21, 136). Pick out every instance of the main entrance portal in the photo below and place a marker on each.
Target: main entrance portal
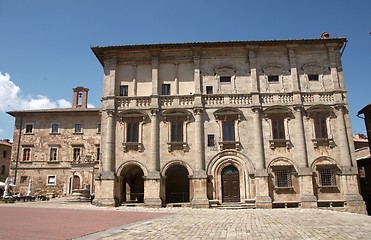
(231, 184)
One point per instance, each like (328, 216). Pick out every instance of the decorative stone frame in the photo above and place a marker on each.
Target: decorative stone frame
(226, 71)
(278, 112)
(138, 116)
(246, 172)
(326, 163)
(325, 112)
(27, 146)
(278, 164)
(57, 146)
(273, 69)
(231, 114)
(179, 115)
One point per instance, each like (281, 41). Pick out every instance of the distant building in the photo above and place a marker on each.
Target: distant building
(58, 149)
(364, 161)
(5, 152)
(249, 123)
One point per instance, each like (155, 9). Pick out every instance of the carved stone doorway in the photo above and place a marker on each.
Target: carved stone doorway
(230, 184)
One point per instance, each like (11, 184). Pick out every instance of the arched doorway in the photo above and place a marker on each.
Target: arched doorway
(75, 182)
(177, 184)
(230, 184)
(132, 184)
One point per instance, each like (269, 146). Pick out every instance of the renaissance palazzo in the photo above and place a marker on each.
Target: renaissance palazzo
(248, 123)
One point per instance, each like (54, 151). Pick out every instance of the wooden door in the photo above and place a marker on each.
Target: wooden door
(231, 184)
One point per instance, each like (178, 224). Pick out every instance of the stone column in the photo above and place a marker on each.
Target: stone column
(332, 60)
(342, 140)
(154, 63)
(199, 179)
(152, 183)
(135, 80)
(307, 198)
(255, 86)
(176, 80)
(263, 200)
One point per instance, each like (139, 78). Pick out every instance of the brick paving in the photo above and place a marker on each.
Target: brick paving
(60, 220)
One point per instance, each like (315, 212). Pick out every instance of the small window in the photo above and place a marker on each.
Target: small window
(273, 78)
(76, 153)
(55, 128)
(53, 154)
(320, 127)
(4, 154)
(165, 89)
(327, 177)
(124, 90)
(51, 180)
(283, 178)
(225, 79)
(209, 89)
(29, 128)
(228, 131)
(26, 154)
(23, 179)
(278, 129)
(313, 77)
(98, 153)
(132, 132)
(78, 128)
(177, 132)
(2, 169)
(210, 140)
(99, 128)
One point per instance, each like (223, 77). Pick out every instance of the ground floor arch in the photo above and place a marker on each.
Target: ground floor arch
(177, 184)
(132, 184)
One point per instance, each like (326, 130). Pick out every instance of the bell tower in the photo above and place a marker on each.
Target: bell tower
(80, 97)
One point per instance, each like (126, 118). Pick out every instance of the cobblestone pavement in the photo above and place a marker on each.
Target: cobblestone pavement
(188, 223)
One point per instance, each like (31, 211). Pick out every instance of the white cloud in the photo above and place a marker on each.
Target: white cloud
(10, 98)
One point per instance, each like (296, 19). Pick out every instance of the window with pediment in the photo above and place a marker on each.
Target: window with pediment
(177, 121)
(283, 173)
(320, 117)
(326, 170)
(228, 119)
(273, 73)
(278, 118)
(313, 71)
(133, 126)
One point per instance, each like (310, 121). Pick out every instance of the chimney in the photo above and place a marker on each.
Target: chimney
(325, 35)
(80, 97)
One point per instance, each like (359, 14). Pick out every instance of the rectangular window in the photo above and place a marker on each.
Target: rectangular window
(278, 129)
(99, 126)
(98, 153)
(225, 79)
(313, 77)
(53, 154)
(165, 89)
(26, 154)
(320, 127)
(209, 89)
(327, 177)
(124, 90)
(283, 178)
(55, 128)
(210, 140)
(132, 132)
(51, 180)
(4, 154)
(177, 132)
(29, 128)
(273, 78)
(76, 153)
(78, 128)
(228, 131)
(23, 179)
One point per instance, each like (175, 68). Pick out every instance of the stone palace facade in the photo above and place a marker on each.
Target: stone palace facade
(250, 123)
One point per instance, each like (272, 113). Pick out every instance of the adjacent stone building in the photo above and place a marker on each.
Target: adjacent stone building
(58, 149)
(259, 123)
(247, 123)
(5, 152)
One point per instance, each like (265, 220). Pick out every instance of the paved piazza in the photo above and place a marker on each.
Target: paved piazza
(181, 223)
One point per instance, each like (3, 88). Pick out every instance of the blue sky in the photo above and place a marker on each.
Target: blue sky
(45, 45)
